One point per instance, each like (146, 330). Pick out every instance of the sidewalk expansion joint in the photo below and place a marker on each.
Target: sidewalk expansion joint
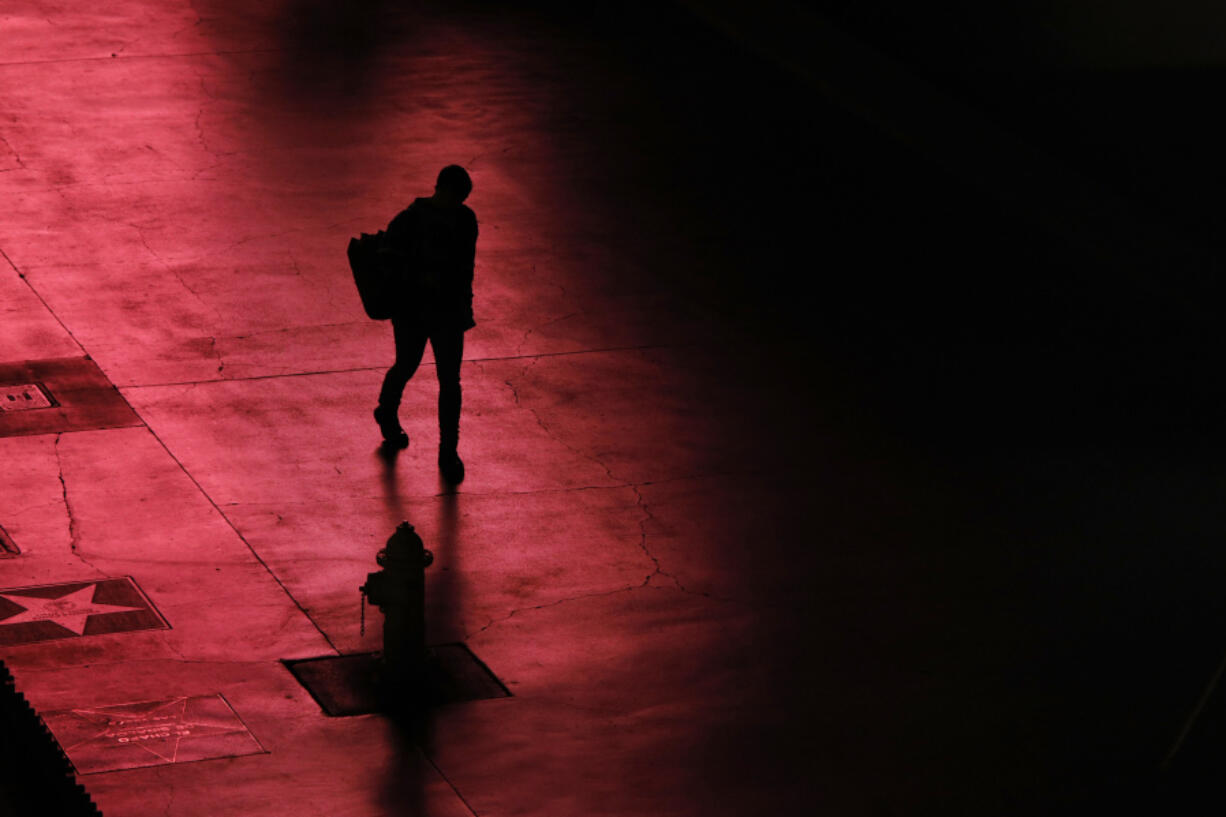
(107, 58)
(233, 527)
(383, 368)
(42, 300)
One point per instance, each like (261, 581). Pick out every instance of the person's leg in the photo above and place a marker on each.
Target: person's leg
(410, 346)
(448, 353)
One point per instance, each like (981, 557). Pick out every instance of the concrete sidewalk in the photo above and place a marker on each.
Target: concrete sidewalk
(179, 187)
(762, 515)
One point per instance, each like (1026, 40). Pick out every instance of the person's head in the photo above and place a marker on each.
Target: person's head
(453, 185)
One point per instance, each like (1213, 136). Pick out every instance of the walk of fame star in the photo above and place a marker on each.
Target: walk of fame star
(158, 731)
(151, 733)
(69, 611)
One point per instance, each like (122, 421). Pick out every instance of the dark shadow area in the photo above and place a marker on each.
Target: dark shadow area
(446, 589)
(1098, 94)
(1151, 134)
(333, 51)
(388, 456)
(408, 772)
(345, 685)
(1001, 445)
(960, 321)
(357, 684)
(983, 570)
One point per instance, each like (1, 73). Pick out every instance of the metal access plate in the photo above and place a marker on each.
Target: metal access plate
(59, 394)
(347, 684)
(53, 611)
(151, 733)
(24, 397)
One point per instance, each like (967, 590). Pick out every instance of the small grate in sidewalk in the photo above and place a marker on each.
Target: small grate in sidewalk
(7, 546)
(25, 397)
(346, 684)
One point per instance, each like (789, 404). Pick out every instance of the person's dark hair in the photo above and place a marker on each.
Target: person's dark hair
(455, 179)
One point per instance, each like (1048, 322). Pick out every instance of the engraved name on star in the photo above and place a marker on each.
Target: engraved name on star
(69, 611)
(159, 730)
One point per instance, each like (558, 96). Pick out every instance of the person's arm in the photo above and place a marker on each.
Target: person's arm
(470, 258)
(400, 231)
(470, 251)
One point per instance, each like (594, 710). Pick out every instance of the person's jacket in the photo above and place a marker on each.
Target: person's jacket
(437, 246)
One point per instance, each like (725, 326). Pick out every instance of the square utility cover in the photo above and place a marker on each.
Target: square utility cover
(347, 684)
(59, 394)
(24, 397)
(151, 733)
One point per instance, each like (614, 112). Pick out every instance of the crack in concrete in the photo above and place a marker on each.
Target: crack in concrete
(221, 361)
(677, 588)
(134, 42)
(536, 491)
(520, 348)
(74, 536)
(218, 155)
(166, 265)
(283, 233)
(309, 328)
(641, 502)
(199, 20)
(562, 290)
(20, 164)
(549, 432)
(200, 132)
(647, 518)
(140, 234)
(554, 603)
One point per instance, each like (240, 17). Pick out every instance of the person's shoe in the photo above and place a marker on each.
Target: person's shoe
(389, 425)
(451, 466)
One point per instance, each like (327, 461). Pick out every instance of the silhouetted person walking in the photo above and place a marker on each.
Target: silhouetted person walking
(436, 238)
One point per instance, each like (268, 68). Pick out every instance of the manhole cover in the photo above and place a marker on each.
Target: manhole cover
(346, 685)
(7, 546)
(24, 397)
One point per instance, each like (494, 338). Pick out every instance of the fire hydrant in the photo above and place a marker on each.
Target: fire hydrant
(399, 591)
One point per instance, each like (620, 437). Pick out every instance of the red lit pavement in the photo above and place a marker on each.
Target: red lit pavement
(179, 186)
(716, 575)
